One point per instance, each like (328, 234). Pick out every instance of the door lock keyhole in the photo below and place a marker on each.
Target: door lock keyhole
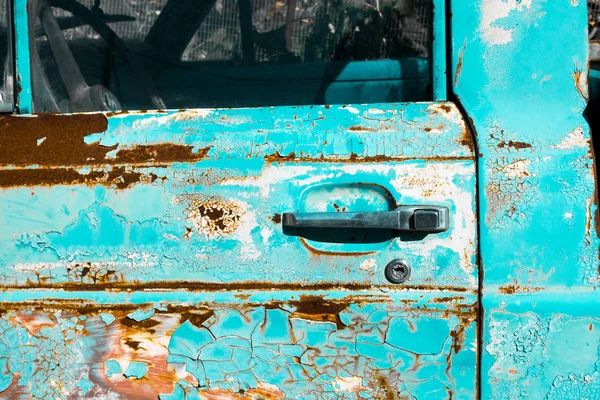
(397, 271)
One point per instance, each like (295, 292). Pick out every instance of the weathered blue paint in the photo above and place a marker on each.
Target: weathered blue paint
(521, 74)
(279, 344)
(24, 92)
(139, 274)
(187, 221)
(162, 267)
(439, 61)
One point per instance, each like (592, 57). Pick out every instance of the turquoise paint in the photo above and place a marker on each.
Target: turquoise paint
(24, 95)
(102, 244)
(242, 346)
(153, 232)
(141, 315)
(136, 370)
(107, 318)
(112, 367)
(520, 73)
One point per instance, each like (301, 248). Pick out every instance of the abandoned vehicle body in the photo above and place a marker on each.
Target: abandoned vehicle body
(388, 199)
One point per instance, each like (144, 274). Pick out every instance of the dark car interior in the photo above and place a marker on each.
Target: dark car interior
(107, 55)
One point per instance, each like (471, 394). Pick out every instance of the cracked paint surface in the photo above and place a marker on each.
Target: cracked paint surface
(538, 221)
(311, 345)
(216, 179)
(149, 259)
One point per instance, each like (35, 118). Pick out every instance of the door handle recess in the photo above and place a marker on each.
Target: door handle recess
(415, 218)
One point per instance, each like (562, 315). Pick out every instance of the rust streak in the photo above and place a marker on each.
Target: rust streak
(466, 139)
(58, 140)
(514, 145)
(355, 158)
(233, 286)
(459, 64)
(315, 308)
(333, 253)
(358, 128)
(119, 177)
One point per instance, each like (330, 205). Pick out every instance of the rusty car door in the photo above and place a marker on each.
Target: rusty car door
(158, 253)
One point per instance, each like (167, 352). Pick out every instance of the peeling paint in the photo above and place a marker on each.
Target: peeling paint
(275, 349)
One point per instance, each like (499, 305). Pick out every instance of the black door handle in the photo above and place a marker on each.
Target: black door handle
(410, 218)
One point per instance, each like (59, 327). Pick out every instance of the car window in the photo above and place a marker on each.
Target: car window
(128, 54)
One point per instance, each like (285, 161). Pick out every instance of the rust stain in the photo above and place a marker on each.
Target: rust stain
(277, 157)
(466, 139)
(145, 324)
(459, 64)
(209, 286)
(318, 252)
(440, 108)
(358, 128)
(316, 308)
(118, 177)
(448, 299)
(515, 287)
(384, 390)
(49, 140)
(580, 79)
(93, 273)
(276, 218)
(196, 319)
(134, 344)
(162, 152)
(261, 392)
(211, 216)
(355, 158)
(514, 145)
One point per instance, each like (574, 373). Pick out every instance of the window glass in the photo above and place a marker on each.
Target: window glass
(132, 54)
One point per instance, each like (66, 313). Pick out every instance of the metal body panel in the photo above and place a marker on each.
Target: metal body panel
(520, 71)
(148, 217)
(309, 345)
(143, 255)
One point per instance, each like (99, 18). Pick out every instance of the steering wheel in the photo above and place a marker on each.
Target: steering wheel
(81, 96)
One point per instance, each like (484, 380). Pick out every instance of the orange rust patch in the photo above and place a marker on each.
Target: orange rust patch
(56, 140)
(118, 177)
(276, 157)
(51, 139)
(316, 308)
(516, 288)
(333, 253)
(384, 390)
(262, 392)
(212, 216)
(276, 218)
(355, 158)
(358, 128)
(581, 83)
(514, 145)
(459, 64)
(466, 139)
(163, 152)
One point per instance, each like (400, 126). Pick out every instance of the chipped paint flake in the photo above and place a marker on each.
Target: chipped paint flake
(136, 370)
(494, 11)
(107, 318)
(575, 139)
(141, 315)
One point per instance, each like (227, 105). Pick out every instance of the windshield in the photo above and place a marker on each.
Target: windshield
(108, 55)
